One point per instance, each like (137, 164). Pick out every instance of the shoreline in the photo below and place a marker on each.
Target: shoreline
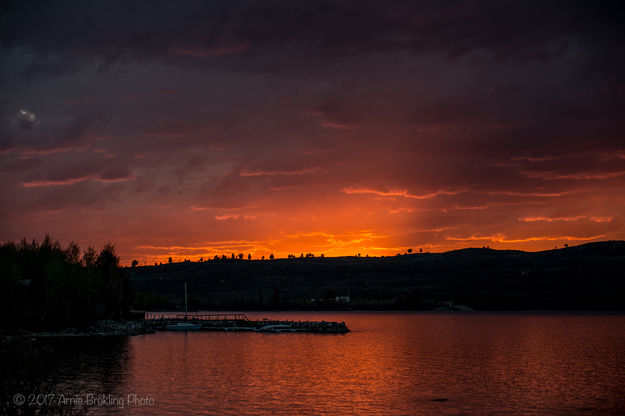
(108, 328)
(105, 328)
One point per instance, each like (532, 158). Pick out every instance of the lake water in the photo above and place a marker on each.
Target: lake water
(390, 364)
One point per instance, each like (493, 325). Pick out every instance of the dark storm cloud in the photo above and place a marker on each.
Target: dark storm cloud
(444, 123)
(122, 31)
(166, 130)
(75, 132)
(21, 164)
(47, 65)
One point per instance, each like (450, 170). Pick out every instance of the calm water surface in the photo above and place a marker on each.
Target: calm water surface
(391, 364)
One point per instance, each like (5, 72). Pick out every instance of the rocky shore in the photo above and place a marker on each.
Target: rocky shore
(99, 328)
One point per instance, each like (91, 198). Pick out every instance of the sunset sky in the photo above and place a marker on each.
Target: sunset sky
(195, 128)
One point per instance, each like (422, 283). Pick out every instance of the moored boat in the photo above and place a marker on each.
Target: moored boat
(276, 328)
(183, 326)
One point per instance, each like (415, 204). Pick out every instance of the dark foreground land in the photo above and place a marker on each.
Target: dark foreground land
(585, 277)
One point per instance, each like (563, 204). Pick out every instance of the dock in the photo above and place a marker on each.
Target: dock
(239, 322)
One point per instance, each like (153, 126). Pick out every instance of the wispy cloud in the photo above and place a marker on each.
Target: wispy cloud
(209, 246)
(471, 207)
(601, 219)
(338, 126)
(322, 151)
(326, 121)
(282, 188)
(550, 176)
(225, 217)
(403, 193)
(51, 151)
(532, 194)
(619, 154)
(400, 210)
(501, 238)
(304, 171)
(338, 240)
(72, 181)
(565, 219)
(535, 159)
(220, 208)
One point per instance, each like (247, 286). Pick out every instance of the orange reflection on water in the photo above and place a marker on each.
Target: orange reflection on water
(392, 363)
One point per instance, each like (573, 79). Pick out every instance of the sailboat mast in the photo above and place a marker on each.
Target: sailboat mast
(185, 299)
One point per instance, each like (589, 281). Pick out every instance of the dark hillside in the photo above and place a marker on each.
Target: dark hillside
(589, 276)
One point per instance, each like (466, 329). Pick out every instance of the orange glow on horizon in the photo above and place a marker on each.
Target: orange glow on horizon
(338, 247)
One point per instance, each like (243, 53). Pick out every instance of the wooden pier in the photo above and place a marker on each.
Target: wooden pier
(239, 322)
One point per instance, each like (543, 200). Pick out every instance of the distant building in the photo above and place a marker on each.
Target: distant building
(342, 299)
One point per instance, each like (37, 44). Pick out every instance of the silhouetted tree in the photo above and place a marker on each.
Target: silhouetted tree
(170, 260)
(89, 256)
(117, 287)
(43, 286)
(73, 253)
(271, 256)
(135, 263)
(249, 256)
(409, 251)
(240, 256)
